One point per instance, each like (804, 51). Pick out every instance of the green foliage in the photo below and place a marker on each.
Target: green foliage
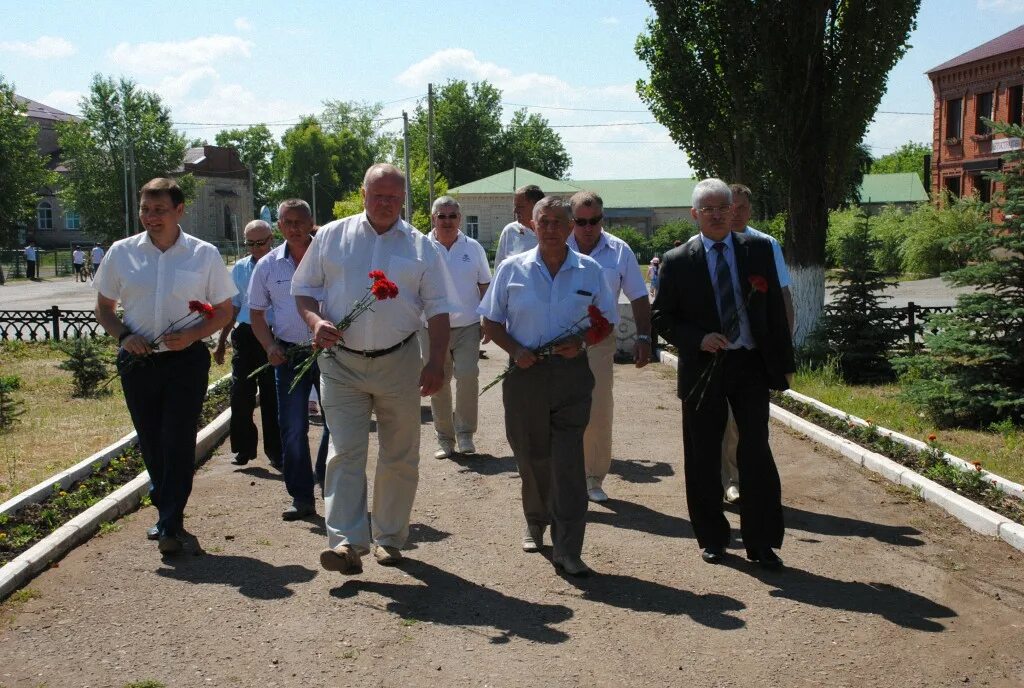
(256, 147)
(971, 374)
(935, 242)
(665, 236)
(352, 204)
(636, 240)
(306, 149)
(10, 406)
(119, 121)
(907, 158)
(856, 332)
(776, 227)
(88, 363)
(22, 168)
(889, 229)
(528, 141)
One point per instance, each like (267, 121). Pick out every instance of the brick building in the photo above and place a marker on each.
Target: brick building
(987, 81)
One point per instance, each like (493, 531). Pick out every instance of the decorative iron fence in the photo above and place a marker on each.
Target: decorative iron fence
(52, 323)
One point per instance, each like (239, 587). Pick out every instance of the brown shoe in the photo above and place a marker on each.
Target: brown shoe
(344, 559)
(573, 566)
(386, 555)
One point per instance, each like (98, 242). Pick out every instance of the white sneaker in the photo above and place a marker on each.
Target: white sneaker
(732, 494)
(466, 445)
(444, 449)
(594, 491)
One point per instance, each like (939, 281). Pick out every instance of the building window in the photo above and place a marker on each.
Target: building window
(72, 220)
(983, 108)
(952, 186)
(983, 185)
(953, 116)
(473, 226)
(44, 215)
(1016, 96)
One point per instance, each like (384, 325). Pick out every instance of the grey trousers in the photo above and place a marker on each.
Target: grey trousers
(547, 407)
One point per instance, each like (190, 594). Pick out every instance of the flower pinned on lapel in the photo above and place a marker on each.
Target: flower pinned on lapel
(758, 283)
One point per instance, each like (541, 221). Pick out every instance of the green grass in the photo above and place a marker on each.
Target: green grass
(1000, 450)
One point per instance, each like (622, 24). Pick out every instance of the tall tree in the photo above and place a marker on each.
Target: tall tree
(256, 147)
(907, 158)
(23, 171)
(777, 95)
(528, 141)
(120, 123)
(307, 150)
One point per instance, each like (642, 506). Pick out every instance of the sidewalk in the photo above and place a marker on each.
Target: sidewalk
(23, 295)
(879, 590)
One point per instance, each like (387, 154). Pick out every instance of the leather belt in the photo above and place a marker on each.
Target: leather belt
(377, 352)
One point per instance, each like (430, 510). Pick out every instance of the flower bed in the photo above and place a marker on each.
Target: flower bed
(21, 530)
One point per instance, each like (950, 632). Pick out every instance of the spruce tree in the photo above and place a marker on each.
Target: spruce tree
(972, 372)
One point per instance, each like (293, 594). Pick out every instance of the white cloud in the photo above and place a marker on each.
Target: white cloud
(176, 56)
(176, 87)
(63, 100)
(1010, 6)
(43, 48)
(609, 21)
(243, 24)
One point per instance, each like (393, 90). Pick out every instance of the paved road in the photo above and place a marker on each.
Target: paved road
(880, 589)
(927, 292)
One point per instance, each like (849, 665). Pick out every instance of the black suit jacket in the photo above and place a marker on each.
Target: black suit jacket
(685, 311)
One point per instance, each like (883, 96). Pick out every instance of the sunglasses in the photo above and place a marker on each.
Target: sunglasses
(582, 222)
(451, 216)
(262, 242)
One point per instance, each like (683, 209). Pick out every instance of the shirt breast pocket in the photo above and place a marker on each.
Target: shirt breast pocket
(188, 285)
(521, 298)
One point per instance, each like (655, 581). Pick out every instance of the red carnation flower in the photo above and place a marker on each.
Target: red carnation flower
(384, 288)
(204, 309)
(377, 275)
(758, 283)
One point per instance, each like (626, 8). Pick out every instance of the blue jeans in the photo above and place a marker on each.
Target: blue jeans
(293, 419)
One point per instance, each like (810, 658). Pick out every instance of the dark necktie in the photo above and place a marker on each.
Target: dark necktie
(726, 295)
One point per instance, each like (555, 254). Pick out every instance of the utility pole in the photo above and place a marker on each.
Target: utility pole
(135, 215)
(408, 176)
(127, 195)
(315, 175)
(430, 143)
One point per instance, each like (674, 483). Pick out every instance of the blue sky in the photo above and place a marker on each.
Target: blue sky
(235, 62)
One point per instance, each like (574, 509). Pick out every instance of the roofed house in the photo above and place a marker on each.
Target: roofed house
(900, 189)
(223, 203)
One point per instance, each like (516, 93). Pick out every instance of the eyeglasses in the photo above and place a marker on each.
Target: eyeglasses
(450, 216)
(259, 242)
(583, 222)
(712, 209)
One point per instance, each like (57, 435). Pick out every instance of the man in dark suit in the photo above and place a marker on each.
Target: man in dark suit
(720, 304)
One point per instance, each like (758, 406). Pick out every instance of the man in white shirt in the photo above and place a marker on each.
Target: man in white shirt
(622, 273)
(271, 290)
(467, 265)
(77, 262)
(96, 256)
(154, 275)
(518, 236)
(31, 252)
(739, 223)
(373, 366)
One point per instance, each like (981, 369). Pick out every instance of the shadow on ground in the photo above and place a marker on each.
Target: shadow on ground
(827, 524)
(252, 577)
(445, 598)
(640, 471)
(484, 464)
(633, 516)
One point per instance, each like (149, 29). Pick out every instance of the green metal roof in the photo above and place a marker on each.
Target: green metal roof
(510, 180)
(898, 187)
(641, 193)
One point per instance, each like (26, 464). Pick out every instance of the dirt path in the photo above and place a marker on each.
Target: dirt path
(879, 590)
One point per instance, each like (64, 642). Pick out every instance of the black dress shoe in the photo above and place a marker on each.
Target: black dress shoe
(713, 555)
(153, 533)
(169, 545)
(242, 459)
(766, 559)
(277, 465)
(296, 512)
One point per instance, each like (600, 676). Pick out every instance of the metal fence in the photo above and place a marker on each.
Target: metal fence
(52, 323)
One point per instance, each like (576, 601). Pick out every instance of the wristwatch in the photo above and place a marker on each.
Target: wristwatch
(644, 338)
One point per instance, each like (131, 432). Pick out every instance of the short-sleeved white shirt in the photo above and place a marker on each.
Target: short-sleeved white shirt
(78, 257)
(270, 290)
(468, 268)
(336, 270)
(618, 263)
(97, 254)
(515, 238)
(154, 286)
(536, 308)
(780, 260)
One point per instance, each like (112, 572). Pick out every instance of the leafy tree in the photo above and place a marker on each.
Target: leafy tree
(775, 226)
(23, 171)
(352, 204)
(528, 141)
(889, 228)
(855, 330)
(361, 139)
(776, 95)
(256, 147)
(421, 194)
(971, 372)
(907, 158)
(935, 239)
(666, 236)
(637, 241)
(306, 149)
(119, 122)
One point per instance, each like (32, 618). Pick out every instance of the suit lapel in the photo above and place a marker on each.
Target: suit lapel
(742, 264)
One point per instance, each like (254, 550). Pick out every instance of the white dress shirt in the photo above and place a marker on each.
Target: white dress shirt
(78, 257)
(535, 307)
(97, 254)
(746, 339)
(270, 290)
(618, 263)
(515, 238)
(468, 268)
(154, 286)
(336, 270)
(780, 260)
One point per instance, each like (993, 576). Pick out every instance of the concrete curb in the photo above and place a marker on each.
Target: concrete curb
(80, 470)
(79, 529)
(974, 516)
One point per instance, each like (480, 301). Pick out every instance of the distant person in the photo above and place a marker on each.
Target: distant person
(77, 262)
(96, 256)
(518, 236)
(31, 256)
(652, 275)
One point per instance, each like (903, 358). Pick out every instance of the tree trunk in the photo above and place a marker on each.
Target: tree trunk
(808, 291)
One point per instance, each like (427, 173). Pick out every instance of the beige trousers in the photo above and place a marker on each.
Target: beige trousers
(352, 388)
(597, 439)
(730, 440)
(462, 363)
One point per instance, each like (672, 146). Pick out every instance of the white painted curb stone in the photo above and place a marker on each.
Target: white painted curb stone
(79, 529)
(974, 516)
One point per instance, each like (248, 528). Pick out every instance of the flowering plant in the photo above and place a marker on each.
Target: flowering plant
(758, 285)
(303, 356)
(597, 329)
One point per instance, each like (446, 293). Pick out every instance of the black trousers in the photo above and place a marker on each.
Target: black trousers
(164, 393)
(741, 381)
(30, 269)
(247, 356)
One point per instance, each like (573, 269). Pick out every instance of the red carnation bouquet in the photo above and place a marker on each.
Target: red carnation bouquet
(758, 285)
(598, 327)
(303, 356)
